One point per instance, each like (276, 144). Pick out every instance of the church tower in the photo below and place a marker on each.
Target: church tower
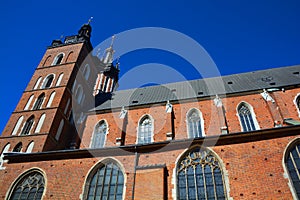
(43, 119)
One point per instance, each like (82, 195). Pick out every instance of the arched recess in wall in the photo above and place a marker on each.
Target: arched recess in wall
(50, 99)
(69, 57)
(47, 83)
(60, 77)
(5, 150)
(59, 130)
(18, 147)
(291, 162)
(17, 126)
(105, 175)
(195, 123)
(40, 123)
(47, 61)
(28, 102)
(39, 102)
(200, 175)
(58, 59)
(37, 83)
(247, 117)
(27, 126)
(30, 184)
(145, 130)
(30, 147)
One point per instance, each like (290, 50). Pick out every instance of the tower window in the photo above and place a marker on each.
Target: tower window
(48, 81)
(79, 94)
(86, 71)
(194, 123)
(145, 130)
(18, 147)
(99, 136)
(106, 182)
(58, 59)
(28, 125)
(30, 186)
(247, 120)
(199, 176)
(39, 102)
(292, 163)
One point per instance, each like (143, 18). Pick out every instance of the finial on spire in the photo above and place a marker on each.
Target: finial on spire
(112, 40)
(90, 20)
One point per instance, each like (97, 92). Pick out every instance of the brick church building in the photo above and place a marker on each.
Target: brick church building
(180, 140)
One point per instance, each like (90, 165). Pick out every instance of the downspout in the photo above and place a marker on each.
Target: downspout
(134, 170)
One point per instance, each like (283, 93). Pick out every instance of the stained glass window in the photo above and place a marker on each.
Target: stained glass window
(31, 187)
(99, 136)
(199, 176)
(194, 124)
(106, 183)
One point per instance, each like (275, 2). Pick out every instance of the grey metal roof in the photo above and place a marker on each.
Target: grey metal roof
(264, 79)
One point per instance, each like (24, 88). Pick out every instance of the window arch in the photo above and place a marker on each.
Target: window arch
(50, 99)
(30, 147)
(292, 164)
(60, 77)
(145, 130)
(40, 123)
(59, 130)
(79, 94)
(28, 125)
(48, 81)
(106, 181)
(199, 176)
(99, 135)
(195, 124)
(18, 124)
(30, 186)
(5, 150)
(46, 60)
(86, 71)
(38, 103)
(58, 59)
(29, 102)
(18, 147)
(37, 83)
(247, 117)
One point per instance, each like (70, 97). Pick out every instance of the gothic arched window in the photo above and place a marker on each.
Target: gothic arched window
(199, 176)
(28, 125)
(39, 102)
(246, 117)
(194, 123)
(292, 163)
(58, 59)
(18, 147)
(48, 81)
(105, 182)
(99, 136)
(29, 187)
(145, 130)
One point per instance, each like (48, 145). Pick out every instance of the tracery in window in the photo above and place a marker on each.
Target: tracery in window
(99, 135)
(28, 125)
(194, 123)
(105, 182)
(39, 102)
(29, 187)
(292, 163)
(145, 130)
(247, 119)
(199, 176)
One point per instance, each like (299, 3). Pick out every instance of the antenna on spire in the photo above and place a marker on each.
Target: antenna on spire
(112, 40)
(90, 20)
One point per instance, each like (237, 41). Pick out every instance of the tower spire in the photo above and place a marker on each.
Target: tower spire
(110, 52)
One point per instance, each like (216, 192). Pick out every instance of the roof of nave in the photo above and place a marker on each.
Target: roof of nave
(236, 83)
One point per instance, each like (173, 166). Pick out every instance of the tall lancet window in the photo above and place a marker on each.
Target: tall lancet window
(39, 102)
(58, 59)
(292, 163)
(199, 176)
(28, 125)
(194, 122)
(248, 121)
(145, 130)
(99, 136)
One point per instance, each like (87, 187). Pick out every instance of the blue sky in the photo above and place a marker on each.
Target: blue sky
(240, 36)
